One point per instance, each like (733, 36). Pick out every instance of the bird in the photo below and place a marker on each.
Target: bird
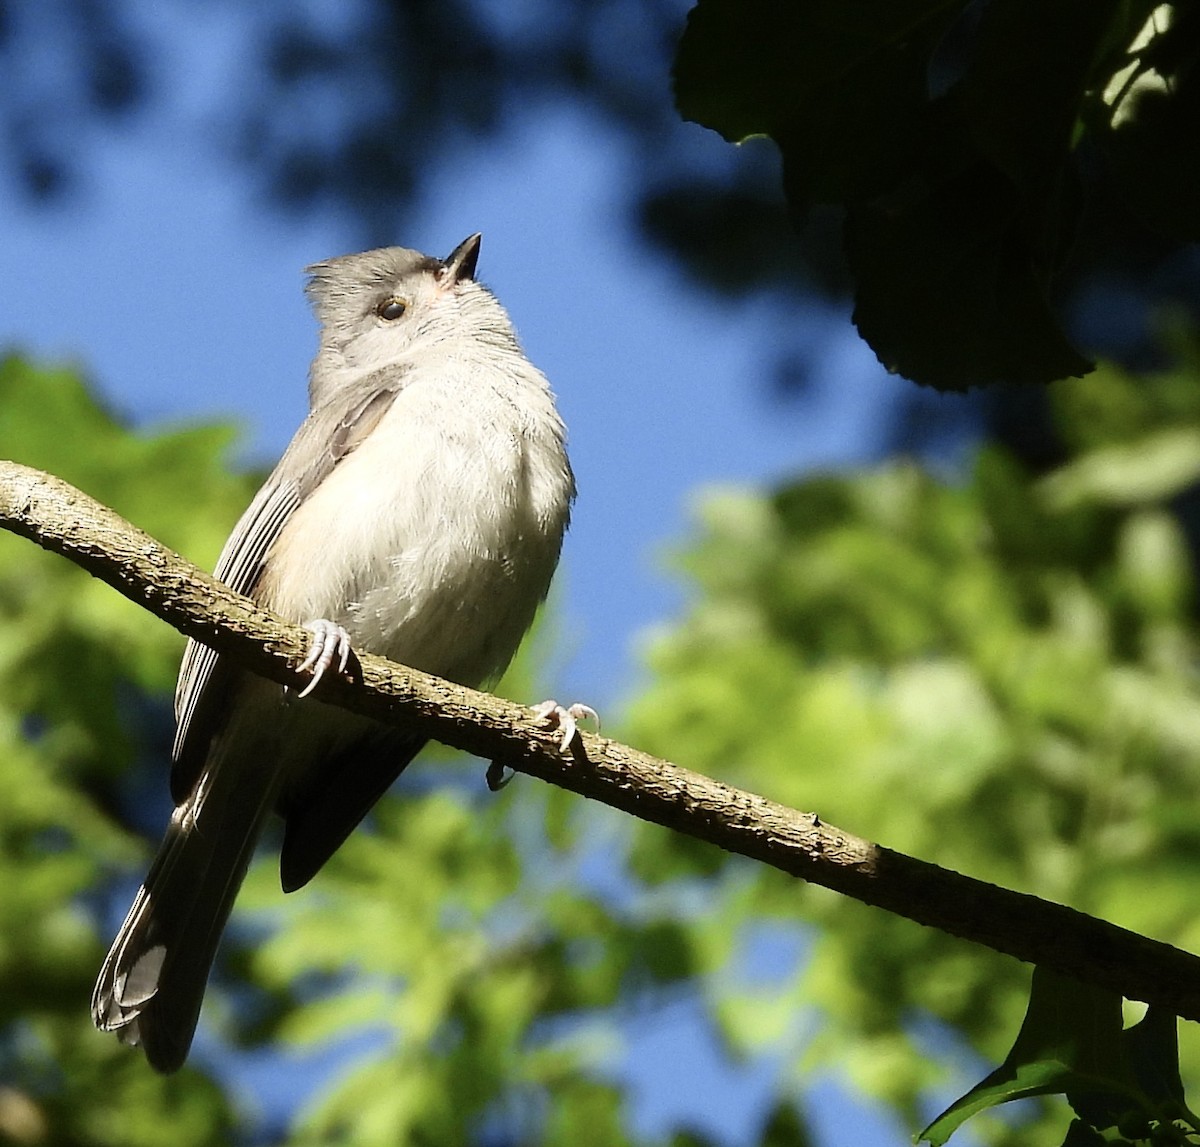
(418, 513)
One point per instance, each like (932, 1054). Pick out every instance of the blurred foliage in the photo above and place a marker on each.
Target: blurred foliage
(962, 140)
(78, 665)
(996, 674)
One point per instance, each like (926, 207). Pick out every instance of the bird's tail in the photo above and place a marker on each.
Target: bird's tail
(152, 983)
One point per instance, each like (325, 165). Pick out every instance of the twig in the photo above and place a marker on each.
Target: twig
(66, 521)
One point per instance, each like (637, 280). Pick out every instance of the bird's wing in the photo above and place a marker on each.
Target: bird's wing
(326, 436)
(321, 816)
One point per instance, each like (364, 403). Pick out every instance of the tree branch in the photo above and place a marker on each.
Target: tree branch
(66, 521)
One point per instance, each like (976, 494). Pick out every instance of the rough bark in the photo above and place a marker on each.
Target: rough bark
(62, 519)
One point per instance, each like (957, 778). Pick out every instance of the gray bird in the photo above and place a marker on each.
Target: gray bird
(418, 513)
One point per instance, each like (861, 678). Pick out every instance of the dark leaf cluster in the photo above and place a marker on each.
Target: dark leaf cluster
(966, 144)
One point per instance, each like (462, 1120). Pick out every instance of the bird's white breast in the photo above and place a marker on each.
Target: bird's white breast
(435, 540)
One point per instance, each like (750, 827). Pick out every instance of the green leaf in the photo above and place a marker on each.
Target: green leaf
(786, 1126)
(1081, 1134)
(1031, 67)
(950, 290)
(1155, 104)
(1155, 467)
(1069, 1044)
(1153, 1047)
(840, 86)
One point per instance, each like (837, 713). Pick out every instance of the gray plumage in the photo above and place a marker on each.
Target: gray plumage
(421, 506)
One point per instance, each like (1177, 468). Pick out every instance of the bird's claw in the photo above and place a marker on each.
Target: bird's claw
(330, 643)
(566, 719)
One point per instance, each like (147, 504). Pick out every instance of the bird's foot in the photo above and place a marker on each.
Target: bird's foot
(566, 719)
(330, 643)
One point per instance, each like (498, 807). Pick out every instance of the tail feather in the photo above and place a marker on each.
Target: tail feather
(152, 982)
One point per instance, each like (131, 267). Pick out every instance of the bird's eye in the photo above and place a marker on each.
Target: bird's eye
(391, 309)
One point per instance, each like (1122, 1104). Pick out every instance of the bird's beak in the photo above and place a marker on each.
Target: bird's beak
(460, 264)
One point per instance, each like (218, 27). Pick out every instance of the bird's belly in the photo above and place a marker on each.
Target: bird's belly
(435, 554)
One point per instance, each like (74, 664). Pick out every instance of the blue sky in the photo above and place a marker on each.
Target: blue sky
(179, 291)
(177, 286)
